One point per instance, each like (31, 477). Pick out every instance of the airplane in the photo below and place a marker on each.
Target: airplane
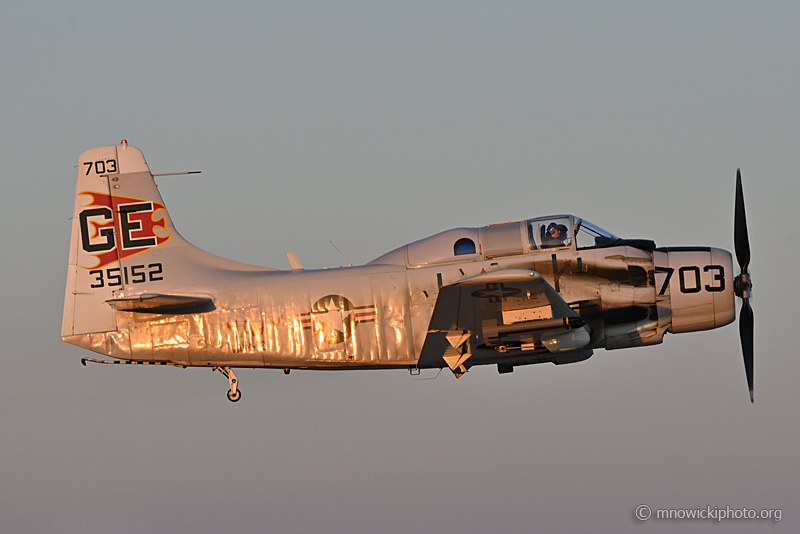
(545, 289)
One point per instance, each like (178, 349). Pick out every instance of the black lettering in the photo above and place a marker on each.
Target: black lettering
(154, 272)
(89, 168)
(127, 226)
(98, 280)
(108, 233)
(669, 271)
(719, 277)
(113, 166)
(125, 270)
(697, 286)
(97, 165)
(137, 277)
(114, 276)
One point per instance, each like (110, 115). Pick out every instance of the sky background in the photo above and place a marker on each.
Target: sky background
(374, 124)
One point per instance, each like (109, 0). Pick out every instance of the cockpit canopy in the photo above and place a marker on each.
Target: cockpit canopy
(556, 232)
(561, 231)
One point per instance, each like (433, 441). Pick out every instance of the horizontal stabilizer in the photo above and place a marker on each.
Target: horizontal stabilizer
(155, 303)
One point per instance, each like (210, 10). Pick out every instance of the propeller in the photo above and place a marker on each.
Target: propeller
(742, 285)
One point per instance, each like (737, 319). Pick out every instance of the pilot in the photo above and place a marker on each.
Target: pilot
(555, 235)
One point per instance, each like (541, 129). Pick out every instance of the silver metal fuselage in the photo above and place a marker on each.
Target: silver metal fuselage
(380, 314)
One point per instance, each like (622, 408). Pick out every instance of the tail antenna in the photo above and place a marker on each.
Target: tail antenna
(340, 252)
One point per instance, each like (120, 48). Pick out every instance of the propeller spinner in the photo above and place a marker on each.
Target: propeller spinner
(743, 287)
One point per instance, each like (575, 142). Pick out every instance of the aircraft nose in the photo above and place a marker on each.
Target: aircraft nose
(700, 285)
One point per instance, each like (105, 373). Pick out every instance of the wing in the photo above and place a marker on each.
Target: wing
(510, 316)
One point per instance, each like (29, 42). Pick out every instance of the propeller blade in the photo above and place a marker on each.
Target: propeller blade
(742, 286)
(746, 335)
(740, 240)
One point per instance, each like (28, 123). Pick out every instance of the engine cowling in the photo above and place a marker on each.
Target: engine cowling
(694, 287)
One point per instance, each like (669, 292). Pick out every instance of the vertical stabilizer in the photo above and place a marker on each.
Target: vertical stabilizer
(119, 226)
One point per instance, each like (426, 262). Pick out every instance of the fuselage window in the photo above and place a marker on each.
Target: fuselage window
(464, 246)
